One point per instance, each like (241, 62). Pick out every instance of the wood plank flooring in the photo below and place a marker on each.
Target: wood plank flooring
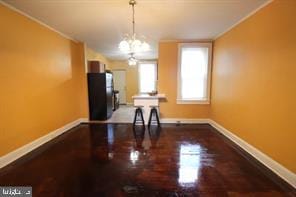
(117, 160)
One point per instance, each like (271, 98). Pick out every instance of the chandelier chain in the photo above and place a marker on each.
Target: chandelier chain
(134, 28)
(131, 44)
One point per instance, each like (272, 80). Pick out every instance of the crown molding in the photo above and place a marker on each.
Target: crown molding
(244, 18)
(37, 21)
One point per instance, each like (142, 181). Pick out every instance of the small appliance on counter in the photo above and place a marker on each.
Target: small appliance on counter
(153, 93)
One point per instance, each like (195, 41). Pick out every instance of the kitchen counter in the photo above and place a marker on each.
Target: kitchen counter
(147, 96)
(146, 101)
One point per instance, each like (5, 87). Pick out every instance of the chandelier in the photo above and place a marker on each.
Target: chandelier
(131, 44)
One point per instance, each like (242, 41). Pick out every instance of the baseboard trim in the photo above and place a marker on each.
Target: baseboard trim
(162, 120)
(16, 154)
(271, 164)
(84, 120)
(184, 121)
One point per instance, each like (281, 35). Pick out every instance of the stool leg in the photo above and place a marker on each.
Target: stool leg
(150, 118)
(135, 118)
(157, 118)
(141, 113)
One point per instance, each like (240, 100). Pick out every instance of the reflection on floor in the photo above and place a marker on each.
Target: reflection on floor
(122, 160)
(189, 159)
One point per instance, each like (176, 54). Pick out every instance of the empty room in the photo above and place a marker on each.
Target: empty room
(147, 98)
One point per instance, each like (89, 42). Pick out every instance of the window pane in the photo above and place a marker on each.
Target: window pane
(147, 72)
(194, 73)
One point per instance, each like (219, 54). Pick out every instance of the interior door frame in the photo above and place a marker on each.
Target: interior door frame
(121, 69)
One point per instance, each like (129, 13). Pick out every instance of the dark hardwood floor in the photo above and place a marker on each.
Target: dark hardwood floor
(115, 160)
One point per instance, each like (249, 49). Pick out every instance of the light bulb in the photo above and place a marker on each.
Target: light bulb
(136, 45)
(124, 46)
(132, 61)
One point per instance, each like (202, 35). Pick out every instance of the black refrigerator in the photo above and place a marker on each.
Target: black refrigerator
(100, 92)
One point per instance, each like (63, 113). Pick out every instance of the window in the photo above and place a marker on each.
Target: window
(194, 73)
(147, 77)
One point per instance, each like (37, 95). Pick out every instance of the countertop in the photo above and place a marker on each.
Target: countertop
(147, 96)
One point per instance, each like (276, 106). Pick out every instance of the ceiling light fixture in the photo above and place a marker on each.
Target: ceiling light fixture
(131, 44)
(132, 61)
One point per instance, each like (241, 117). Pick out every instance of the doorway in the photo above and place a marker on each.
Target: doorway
(120, 84)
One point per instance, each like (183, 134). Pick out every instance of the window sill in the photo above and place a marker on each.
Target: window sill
(198, 102)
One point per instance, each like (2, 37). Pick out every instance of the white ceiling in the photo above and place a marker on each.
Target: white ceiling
(101, 24)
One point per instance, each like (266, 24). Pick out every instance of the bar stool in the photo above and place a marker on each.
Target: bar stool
(139, 115)
(153, 112)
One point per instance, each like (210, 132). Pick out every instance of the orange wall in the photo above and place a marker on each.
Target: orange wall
(167, 84)
(254, 83)
(42, 81)
(91, 55)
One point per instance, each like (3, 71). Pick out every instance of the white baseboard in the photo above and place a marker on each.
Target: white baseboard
(162, 120)
(184, 121)
(16, 154)
(274, 166)
(84, 120)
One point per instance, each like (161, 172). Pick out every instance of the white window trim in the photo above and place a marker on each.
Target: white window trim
(187, 101)
(139, 80)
